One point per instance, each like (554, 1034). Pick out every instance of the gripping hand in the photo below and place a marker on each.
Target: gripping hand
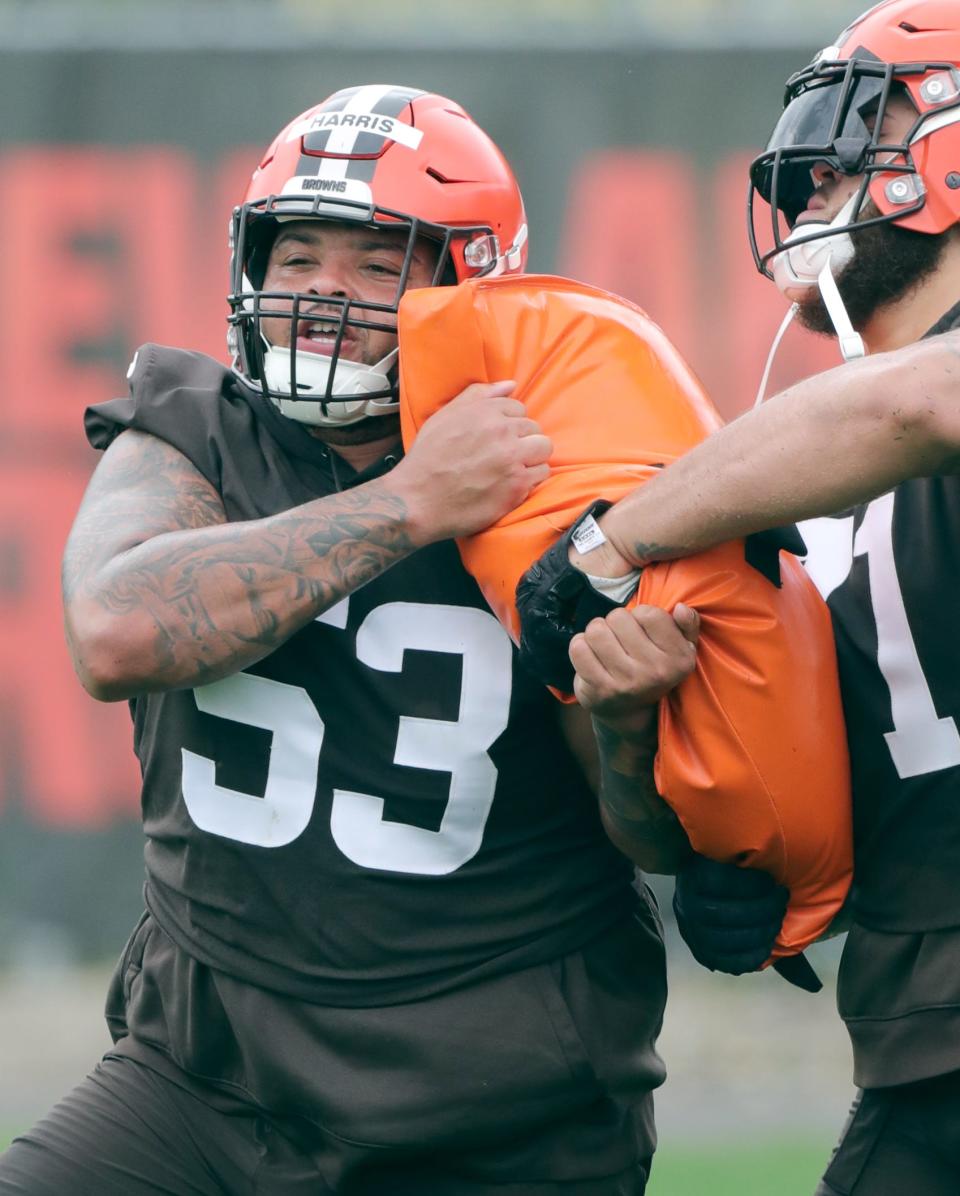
(729, 917)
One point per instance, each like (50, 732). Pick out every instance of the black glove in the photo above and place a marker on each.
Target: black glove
(554, 602)
(729, 917)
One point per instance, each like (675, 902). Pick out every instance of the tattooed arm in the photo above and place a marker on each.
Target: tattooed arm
(636, 818)
(625, 663)
(161, 592)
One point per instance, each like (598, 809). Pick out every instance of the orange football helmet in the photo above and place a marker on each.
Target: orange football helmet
(833, 113)
(384, 157)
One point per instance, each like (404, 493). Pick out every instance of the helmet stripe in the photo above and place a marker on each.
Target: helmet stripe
(352, 140)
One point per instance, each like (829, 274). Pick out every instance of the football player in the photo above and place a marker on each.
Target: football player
(387, 946)
(860, 184)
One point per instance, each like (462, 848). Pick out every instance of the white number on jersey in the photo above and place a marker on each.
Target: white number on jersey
(920, 741)
(357, 822)
(284, 810)
(460, 748)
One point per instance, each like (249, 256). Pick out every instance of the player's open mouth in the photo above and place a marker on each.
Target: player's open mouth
(320, 336)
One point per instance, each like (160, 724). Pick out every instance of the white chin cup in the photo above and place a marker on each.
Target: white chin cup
(800, 265)
(351, 379)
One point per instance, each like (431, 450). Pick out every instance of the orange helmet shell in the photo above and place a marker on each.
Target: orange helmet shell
(925, 33)
(386, 157)
(908, 45)
(404, 151)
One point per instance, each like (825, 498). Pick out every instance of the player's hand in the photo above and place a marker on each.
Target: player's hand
(627, 661)
(472, 461)
(729, 917)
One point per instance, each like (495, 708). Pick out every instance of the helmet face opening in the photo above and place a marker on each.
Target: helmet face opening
(405, 164)
(255, 228)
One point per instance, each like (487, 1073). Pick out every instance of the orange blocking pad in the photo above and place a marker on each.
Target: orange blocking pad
(752, 754)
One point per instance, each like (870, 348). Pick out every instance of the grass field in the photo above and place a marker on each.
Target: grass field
(781, 1167)
(777, 1167)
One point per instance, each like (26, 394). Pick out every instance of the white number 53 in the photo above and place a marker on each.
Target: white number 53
(357, 821)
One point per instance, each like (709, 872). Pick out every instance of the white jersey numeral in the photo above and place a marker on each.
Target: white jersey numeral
(359, 828)
(921, 741)
(283, 812)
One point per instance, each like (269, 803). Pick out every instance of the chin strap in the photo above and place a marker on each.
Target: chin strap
(357, 389)
(809, 262)
(850, 341)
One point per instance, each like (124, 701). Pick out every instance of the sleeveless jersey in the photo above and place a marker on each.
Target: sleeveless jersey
(384, 807)
(893, 619)
(889, 570)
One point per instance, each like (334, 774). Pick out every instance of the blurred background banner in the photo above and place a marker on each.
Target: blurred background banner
(128, 131)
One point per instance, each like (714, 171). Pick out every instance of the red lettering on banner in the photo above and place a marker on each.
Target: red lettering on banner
(69, 756)
(113, 247)
(222, 192)
(64, 292)
(155, 221)
(101, 259)
(631, 228)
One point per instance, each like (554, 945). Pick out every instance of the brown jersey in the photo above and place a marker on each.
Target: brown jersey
(384, 806)
(889, 569)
